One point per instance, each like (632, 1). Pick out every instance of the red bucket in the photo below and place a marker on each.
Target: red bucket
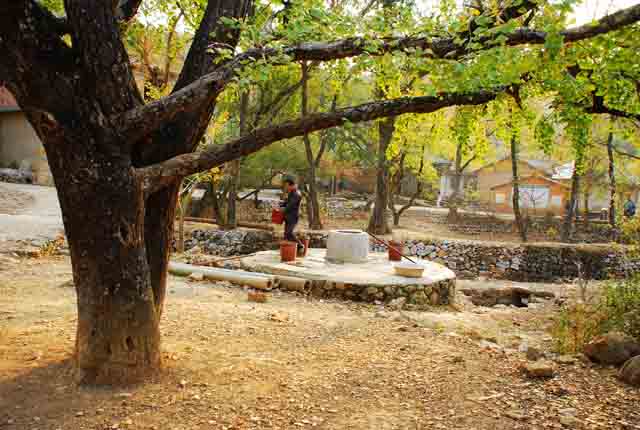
(395, 251)
(277, 216)
(288, 251)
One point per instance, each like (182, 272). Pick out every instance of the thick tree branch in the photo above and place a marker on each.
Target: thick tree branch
(35, 63)
(94, 27)
(443, 48)
(598, 107)
(157, 175)
(143, 120)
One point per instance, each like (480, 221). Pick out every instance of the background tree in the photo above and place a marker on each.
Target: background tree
(470, 140)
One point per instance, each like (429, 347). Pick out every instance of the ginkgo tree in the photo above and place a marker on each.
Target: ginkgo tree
(118, 162)
(470, 139)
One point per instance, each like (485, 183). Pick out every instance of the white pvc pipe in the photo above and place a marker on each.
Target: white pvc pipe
(259, 281)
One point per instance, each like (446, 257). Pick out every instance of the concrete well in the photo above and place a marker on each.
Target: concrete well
(348, 246)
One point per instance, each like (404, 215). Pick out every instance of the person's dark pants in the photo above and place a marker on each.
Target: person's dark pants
(289, 234)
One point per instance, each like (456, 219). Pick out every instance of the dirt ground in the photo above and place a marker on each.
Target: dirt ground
(229, 364)
(14, 200)
(28, 213)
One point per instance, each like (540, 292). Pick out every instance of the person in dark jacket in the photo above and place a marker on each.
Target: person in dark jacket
(629, 208)
(291, 210)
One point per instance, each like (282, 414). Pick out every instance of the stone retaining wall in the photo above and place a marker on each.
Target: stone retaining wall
(416, 297)
(524, 262)
(232, 242)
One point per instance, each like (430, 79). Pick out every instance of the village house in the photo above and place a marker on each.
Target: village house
(538, 195)
(539, 192)
(544, 185)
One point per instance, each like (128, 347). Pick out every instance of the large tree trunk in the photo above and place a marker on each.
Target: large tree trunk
(515, 198)
(378, 223)
(612, 182)
(119, 306)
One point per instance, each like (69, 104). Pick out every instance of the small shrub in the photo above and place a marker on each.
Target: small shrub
(621, 304)
(617, 308)
(575, 326)
(630, 232)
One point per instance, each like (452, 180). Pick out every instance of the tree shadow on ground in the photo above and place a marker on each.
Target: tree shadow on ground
(46, 396)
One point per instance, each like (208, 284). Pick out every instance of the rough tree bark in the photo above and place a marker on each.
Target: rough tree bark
(118, 163)
(379, 223)
(313, 202)
(515, 195)
(612, 181)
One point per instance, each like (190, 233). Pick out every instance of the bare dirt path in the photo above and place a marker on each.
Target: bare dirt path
(294, 363)
(29, 212)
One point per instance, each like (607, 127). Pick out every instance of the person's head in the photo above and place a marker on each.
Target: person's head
(290, 184)
(628, 196)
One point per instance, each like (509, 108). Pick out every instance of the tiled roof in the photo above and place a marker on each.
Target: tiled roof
(545, 166)
(7, 101)
(523, 181)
